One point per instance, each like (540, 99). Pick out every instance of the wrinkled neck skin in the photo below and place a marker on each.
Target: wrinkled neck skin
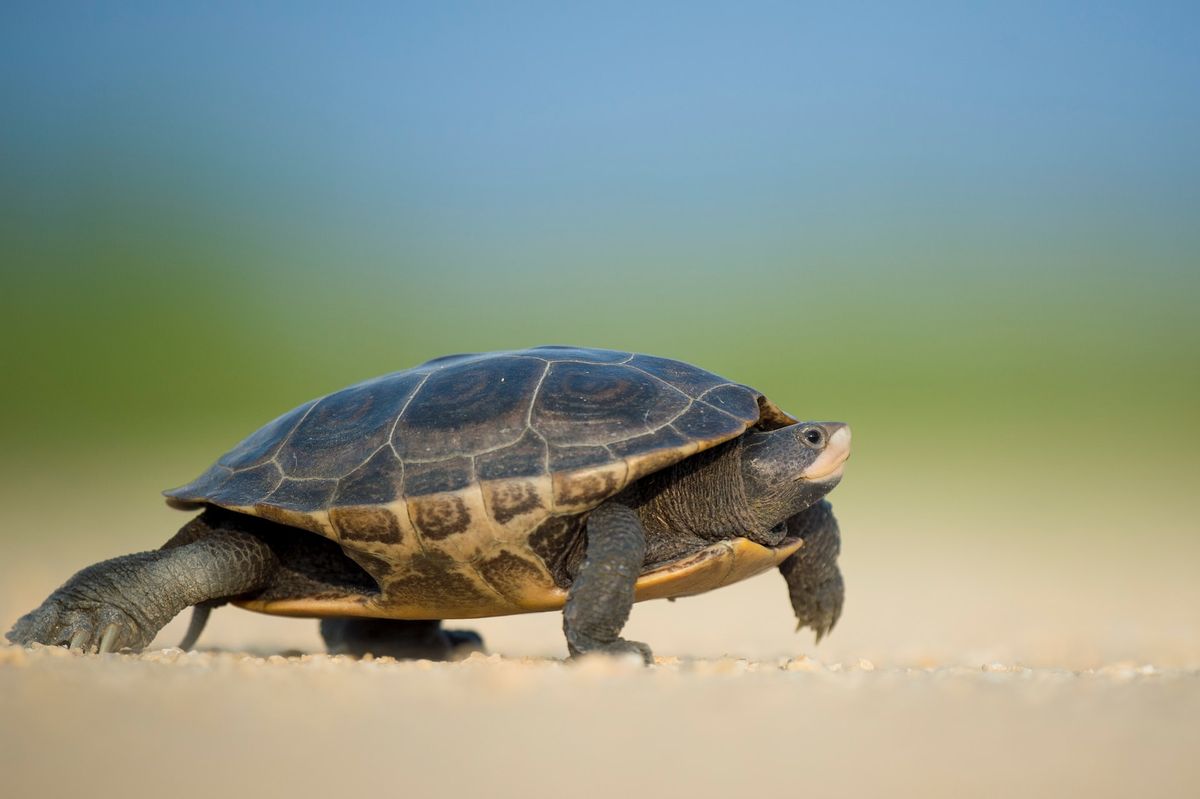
(745, 488)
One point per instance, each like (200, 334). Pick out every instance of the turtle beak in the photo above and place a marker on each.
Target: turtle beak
(829, 464)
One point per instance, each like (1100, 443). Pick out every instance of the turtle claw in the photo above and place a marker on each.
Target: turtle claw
(819, 613)
(108, 639)
(821, 624)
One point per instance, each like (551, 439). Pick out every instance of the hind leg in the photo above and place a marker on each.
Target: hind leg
(122, 603)
(419, 640)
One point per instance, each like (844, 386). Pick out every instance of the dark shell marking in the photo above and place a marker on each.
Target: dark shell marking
(461, 481)
(513, 498)
(367, 524)
(439, 517)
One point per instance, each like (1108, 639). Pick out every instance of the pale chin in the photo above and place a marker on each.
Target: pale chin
(832, 461)
(834, 476)
(828, 466)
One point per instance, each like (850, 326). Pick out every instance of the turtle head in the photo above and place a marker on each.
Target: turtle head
(791, 468)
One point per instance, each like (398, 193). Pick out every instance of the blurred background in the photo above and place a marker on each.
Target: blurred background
(971, 232)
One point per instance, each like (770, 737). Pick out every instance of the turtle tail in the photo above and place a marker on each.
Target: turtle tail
(196, 625)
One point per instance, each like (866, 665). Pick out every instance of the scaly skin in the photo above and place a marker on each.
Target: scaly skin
(601, 596)
(122, 603)
(813, 578)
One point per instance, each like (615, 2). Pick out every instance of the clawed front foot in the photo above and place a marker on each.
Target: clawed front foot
(81, 623)
(814, 580)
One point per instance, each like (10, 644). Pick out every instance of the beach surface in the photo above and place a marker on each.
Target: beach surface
(956, 670)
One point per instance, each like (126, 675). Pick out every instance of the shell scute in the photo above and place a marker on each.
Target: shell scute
(366, 524)
(682, 376)
(258, 481)
(703, 422)
(567, 459)
(526, 456)
(261, 445)
(468, 408)
(439, 516)
(519, 578)
(331, 439)
(582, 490)
(436, 579)
(653, 451)
(378, 481)
(586, 404)
(735, 400)
(302, 495)
(436, 477)
(509, 499)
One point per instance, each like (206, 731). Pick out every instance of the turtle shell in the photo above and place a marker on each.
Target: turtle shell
(456, 484)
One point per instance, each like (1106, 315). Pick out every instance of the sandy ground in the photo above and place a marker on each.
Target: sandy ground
(1047, 668)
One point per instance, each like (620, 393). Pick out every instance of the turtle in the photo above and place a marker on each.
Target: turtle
(485, 484)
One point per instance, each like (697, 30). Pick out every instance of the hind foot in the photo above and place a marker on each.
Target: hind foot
(123, 602)
(82, 623)
(406, 640)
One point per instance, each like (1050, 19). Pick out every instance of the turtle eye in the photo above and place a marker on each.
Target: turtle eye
(813, 437)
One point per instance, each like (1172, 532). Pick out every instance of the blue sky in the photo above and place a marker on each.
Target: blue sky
(476, 131)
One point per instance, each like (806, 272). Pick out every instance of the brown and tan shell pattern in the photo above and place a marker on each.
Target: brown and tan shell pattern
(456, 483)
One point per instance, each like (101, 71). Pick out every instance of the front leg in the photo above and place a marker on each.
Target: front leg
(813, 578)
(601, 595)
(124, 602)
